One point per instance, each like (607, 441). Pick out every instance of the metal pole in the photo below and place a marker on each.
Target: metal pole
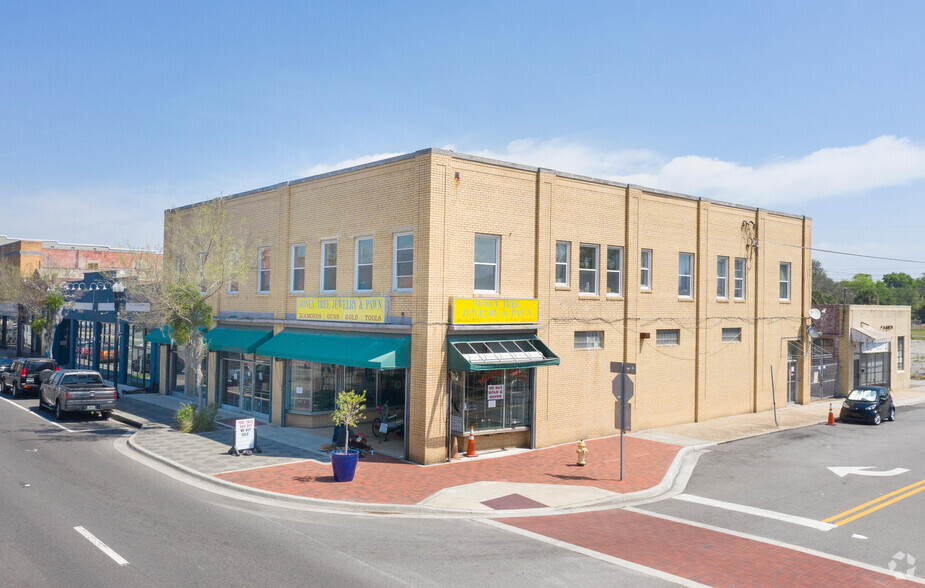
(773, 397)
(622, 419)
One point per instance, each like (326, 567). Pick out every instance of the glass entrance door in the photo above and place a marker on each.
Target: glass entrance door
(247, 386)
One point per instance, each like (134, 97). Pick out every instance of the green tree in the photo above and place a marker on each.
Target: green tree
(39, 296)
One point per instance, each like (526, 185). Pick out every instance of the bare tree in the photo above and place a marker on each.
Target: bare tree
(205, 249)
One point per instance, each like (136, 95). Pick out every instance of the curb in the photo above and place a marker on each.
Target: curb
(683, 460)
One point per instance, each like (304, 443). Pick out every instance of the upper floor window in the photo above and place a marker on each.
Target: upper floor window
(403, 269)
(587, 269)
(487, 260)
(785, 280)
(645, 269)
(329, 266)
(685, 275)
(364, 264)
(738, 283)
(263, 270)
(589, 339)
(297, 280)
(722, 277)
(563, 253)
(615, 270)
(668, 336)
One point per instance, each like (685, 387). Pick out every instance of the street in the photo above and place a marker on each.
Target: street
(174, 534)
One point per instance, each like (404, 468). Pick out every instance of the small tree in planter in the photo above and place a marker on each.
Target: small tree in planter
(347, 409)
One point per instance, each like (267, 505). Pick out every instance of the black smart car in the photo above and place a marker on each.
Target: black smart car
(868, 404)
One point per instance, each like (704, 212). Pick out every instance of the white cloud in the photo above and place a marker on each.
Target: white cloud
(882, 162)
(322, 168)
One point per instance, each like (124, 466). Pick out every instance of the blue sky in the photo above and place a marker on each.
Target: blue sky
(112, 112)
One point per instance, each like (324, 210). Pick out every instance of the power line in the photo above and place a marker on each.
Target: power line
(845, 253)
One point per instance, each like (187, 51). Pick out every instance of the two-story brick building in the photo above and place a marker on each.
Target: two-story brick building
(494, 296)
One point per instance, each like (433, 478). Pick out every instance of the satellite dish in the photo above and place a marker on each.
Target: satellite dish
(813, 332)
(815, 314)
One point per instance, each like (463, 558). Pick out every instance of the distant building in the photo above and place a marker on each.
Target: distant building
(65, 262)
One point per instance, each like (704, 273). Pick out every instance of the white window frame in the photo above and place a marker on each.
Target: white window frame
(589, 340)
(645, 269)
(395, 250)
(722, 277)
(261, 269)
(357, 264)
(496, 264)
(324, 245)
(690, 276)
(675, 336)
(618, 271)
(785, 283)
(738, 283)
(731, 335)
(293, 267)
(567, 263)
(595, 269)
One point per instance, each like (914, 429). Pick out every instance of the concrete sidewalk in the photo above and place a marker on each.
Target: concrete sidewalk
(293, 467)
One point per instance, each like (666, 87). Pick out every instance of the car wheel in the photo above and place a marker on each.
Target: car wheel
(41, 403)
(892, 416)
(105, 414)
(3, 386)
(376, 424)
(59, 414)
(877, 418)
(17, 391)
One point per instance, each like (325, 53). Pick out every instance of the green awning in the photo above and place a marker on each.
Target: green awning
(381, 352)
(478, 353)
(236, 339)
(159, 336)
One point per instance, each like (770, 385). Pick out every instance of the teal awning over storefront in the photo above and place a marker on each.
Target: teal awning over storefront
(479, 353)
(381, 352)
(161, 336)
(236, 339)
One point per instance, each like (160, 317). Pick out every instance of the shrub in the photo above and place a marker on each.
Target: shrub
(191, 419)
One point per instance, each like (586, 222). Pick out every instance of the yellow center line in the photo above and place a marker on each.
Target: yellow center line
(918, 487)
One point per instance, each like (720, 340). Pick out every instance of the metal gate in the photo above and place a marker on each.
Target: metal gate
(824, 372)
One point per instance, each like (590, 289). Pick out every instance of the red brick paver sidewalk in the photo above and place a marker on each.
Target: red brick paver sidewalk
(385, 480)
(698, 554)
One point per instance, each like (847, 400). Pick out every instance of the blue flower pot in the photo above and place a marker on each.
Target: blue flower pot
(344, 464)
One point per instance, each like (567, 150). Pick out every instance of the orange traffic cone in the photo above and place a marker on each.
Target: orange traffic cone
(470, 451)
(831, 416)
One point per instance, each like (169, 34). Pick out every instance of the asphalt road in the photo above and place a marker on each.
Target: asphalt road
(787, 473)
(61, 488)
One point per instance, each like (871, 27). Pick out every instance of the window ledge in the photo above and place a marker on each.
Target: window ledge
(588, 295)
(563, 287)
(723, 300)
(495, 431)
(685, 298)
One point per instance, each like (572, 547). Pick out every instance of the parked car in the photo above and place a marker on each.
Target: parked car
(77, 391)
(107, 354)
(138, 366)
(5, 363)
(868, 404)
(24, 374)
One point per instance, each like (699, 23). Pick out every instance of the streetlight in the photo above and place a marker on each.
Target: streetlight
(118, 299)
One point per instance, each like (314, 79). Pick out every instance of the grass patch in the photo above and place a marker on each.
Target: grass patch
(918, 333)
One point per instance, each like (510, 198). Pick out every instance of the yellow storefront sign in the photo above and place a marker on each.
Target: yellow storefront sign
(481, 311)
(363, 310)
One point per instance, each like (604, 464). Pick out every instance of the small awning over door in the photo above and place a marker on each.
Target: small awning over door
(864, 334)
(160, 336)
(481, 353)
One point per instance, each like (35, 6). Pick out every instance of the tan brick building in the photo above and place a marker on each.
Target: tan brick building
(490, 295)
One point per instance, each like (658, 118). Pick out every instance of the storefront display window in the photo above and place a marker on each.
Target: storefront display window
(245, 382)
(492, 400)
(177, 374)
(139, 366)
(360, 380)
(312, 387)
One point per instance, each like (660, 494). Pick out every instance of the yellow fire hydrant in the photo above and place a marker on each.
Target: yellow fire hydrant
(582, 451)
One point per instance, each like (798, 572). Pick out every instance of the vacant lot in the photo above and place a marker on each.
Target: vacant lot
(918, 358)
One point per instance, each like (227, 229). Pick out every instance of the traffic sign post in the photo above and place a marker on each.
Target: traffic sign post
(622, 391)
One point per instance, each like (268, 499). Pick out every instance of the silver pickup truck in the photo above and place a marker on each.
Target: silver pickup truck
(77, 391)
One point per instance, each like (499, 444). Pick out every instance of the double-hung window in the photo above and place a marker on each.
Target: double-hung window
(364, 265)
(403, 268)
(487, 260)
(587, 269)
(563, 253)
(614, 271)
(645, 269)
(722, 277)
(329, 266)
(263, 271)
(686, 275)
(784, 280)
(738, 283)
(589, 339)
(297, 273)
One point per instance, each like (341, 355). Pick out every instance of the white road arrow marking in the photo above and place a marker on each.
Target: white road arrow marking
(863, 471)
